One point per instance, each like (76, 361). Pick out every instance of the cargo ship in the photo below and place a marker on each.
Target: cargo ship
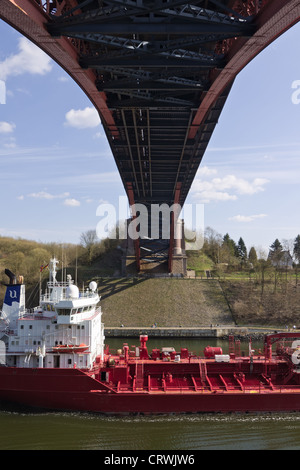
(54, 357)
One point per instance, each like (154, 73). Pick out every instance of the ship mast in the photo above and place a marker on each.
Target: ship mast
(52, 270)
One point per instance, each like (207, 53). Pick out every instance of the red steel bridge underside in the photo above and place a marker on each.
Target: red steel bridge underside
(158, 72)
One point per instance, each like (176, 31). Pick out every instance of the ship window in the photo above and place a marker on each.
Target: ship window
(63, 311)
(103, 376)
(22, 327)
(30, 327)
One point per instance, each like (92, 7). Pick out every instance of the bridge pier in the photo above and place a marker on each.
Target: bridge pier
(154, 255)
(179, 259)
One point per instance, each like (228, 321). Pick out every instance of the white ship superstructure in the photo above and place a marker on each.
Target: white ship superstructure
(64, 331)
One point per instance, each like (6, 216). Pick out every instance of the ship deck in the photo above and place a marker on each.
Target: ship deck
(204, 376)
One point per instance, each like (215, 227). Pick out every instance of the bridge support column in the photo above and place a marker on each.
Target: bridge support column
(179, 259)
(174, 242)
(136, 242)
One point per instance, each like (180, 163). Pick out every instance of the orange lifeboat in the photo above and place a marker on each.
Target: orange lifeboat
(70, 348)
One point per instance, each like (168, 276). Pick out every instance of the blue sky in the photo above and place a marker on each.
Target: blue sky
(56, 166)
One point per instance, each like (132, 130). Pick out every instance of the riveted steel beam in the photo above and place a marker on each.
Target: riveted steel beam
(151, 26)
(174, 60)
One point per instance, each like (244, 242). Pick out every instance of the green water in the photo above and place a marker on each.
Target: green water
(76, 431)
(60, 431)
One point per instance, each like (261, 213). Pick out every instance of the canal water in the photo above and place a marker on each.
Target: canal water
(83, 431)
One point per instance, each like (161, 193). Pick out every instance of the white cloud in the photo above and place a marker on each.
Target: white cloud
(240, 185)
(98, 135)
(45, 195)
(225, 188)
(72, 202)
(82, 118)
(29, 59)
(10, 142)
(247, 218)
(205, 171)
(6, 127)
(63, 79)
(10, 145)
(207, 196)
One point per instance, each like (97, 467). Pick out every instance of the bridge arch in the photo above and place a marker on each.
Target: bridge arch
(111, 54)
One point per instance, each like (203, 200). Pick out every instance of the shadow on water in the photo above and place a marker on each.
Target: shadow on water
(70, 431)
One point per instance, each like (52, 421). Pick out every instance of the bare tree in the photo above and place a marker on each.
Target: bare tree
(89, 241)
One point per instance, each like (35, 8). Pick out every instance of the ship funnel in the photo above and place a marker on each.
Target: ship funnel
(14, 300)
(12, 276)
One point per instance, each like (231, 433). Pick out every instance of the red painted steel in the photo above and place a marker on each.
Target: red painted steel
(276, 17)
(29, 19)
(210, 351)
(163, 381)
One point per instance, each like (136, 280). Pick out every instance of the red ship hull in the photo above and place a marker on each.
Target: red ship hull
(153, 402)
(74, 390)
(162, 382)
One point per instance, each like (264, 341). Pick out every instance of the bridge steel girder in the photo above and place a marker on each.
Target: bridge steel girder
(180, 59)
(276, 18)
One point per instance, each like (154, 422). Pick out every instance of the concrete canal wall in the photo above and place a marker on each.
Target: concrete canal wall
(217, 332)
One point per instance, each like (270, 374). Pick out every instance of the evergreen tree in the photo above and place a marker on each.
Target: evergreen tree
(230, 244)
(229, 250)
(275, 256)
(241, 250)
(297, 248)
(252, 255)
(276, 246)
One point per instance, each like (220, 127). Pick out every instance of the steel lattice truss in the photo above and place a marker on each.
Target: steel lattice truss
(159, 73)
(155, 60)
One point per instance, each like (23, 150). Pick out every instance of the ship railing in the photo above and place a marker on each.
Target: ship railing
(31, 315)
(63, 296)
(234, 389)
(58, 284)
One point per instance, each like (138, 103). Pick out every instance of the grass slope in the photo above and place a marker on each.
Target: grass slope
(167, 302)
